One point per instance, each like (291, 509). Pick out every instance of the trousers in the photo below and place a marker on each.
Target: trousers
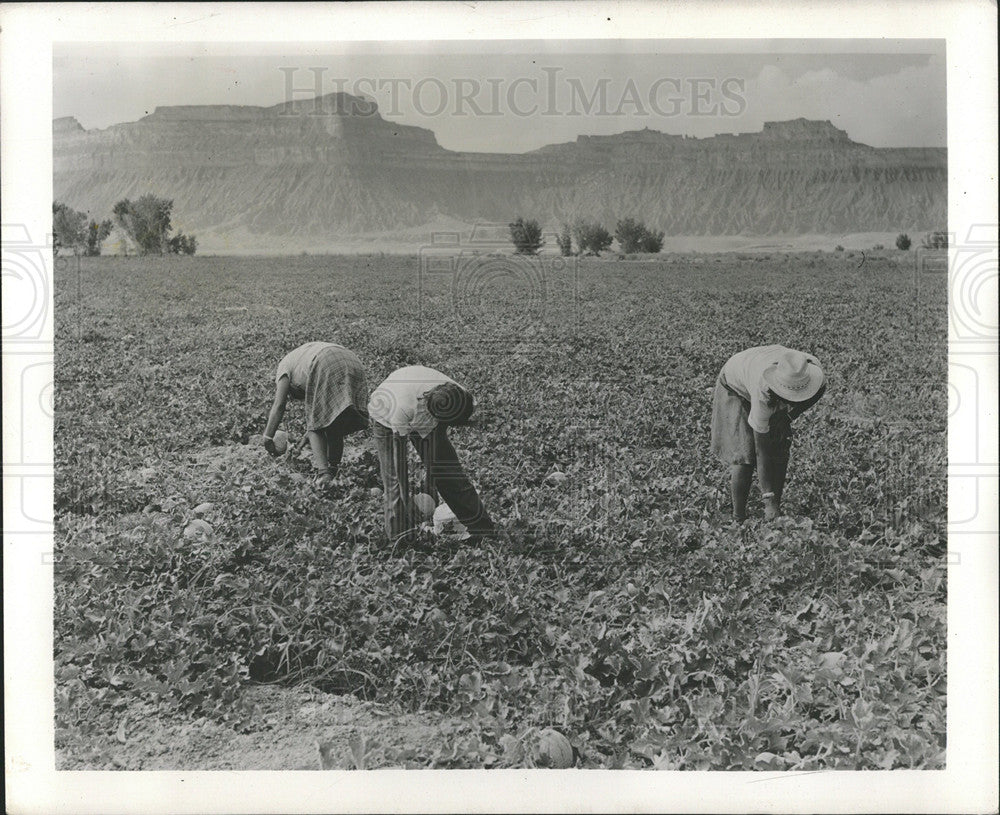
(443, 474)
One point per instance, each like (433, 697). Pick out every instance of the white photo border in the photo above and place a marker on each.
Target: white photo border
(28, 32)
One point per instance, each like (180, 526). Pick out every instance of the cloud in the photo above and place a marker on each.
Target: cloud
(902, 109)
(880, 99)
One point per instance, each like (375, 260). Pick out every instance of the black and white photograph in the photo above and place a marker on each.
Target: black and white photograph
(501, 399)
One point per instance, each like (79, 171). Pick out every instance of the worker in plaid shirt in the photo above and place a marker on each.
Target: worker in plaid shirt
(331, 382)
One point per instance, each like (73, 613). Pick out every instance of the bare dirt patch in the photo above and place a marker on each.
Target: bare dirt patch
(282, 736)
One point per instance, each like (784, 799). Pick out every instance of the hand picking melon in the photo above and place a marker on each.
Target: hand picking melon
(281, 441)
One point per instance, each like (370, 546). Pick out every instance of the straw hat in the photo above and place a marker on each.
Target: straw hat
(794, 377)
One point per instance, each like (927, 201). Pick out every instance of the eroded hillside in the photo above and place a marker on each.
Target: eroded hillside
(320, 171)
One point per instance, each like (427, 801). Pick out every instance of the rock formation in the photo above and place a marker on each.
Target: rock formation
(317, 172)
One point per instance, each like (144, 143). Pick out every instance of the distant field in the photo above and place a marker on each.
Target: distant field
(624, 612)
(241, 242)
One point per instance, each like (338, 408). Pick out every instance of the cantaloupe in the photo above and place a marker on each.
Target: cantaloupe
(281, 441)
(423, 502)
(554, 750)
(445, 522)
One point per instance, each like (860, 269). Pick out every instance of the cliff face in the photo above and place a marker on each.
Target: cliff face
(323, 170)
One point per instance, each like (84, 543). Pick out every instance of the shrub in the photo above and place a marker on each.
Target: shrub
(652, 242)
(838, 248)
(146, 222)
(68, 228)
(97, 233)
(526, 236)
(629, 234)
(903, 241)
(935, 240)
(181, 244)
(591, 238)
(71, 230)
(633, 236)
(565, 242)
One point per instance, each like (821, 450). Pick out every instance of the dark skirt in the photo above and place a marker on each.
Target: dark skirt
(351, 420)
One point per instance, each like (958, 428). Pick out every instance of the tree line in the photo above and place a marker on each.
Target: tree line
(932, 240)
(145, 222)
(591, 238)
(586, 237)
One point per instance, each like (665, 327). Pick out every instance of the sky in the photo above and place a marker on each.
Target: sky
(514, 96)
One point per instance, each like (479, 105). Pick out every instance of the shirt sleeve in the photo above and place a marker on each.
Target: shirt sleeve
(282, 371)
(420, 420)
(402, 421)
(760, 414)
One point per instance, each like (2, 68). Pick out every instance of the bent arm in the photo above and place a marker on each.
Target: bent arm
(277, 407)
(768, 457)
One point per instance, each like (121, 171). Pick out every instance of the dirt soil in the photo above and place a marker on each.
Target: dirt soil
(283, 736)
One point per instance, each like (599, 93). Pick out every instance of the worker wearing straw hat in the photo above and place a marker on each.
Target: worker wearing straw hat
(757, 394)
(419, 404)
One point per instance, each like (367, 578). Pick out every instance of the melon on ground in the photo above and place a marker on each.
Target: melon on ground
(554, 750)
(281, 441)
(198, 528)
(425, 504)
(445, 522)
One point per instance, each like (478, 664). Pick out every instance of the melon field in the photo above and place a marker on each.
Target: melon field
(621, 609)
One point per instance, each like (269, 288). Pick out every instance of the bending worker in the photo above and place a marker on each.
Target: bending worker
(758, 393)
(420, 404)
